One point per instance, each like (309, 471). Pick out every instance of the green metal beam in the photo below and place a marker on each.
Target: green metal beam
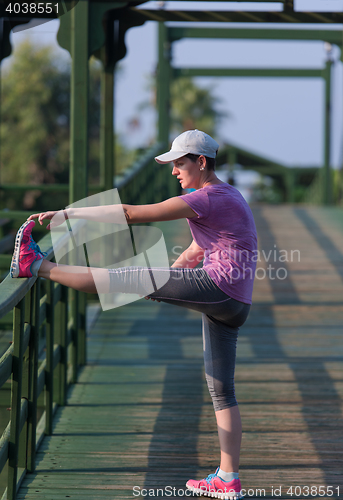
(98, 27)
(241, 16)
(331, 36)
(106, 129)
(328, 188)
(79, 48)
(226, 1)
(253, 72)
(163, 84)
(79, 102)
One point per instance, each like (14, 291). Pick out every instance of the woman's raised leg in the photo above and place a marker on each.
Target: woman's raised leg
(77, 277)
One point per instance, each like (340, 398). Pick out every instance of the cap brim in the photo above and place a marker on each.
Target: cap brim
(170, 156)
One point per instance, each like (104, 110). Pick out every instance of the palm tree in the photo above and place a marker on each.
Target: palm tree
(194, 107)
(191, 106)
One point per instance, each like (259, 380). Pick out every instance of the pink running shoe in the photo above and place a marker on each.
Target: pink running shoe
(26, 252)
(215, 487)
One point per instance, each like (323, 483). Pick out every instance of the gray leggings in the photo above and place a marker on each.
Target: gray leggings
(221, 318)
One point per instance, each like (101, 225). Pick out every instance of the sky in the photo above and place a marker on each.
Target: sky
(276, 117)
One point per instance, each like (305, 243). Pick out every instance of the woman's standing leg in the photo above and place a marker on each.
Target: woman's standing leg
(219, 342)
(230, 437)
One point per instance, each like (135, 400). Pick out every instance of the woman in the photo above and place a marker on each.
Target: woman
(224, 235)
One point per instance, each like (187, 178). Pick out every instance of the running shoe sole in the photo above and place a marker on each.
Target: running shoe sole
(14, 269)
(214, 494)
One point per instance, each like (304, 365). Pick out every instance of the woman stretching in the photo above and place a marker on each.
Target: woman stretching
(224, 237)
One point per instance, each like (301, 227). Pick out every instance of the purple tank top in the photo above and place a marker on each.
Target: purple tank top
(225, 229)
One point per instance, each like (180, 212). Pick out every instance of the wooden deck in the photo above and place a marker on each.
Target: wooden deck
(140, 415)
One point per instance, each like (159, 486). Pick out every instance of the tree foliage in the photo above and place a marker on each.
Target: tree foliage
(191, 106)
(194, 107)
(35, 124)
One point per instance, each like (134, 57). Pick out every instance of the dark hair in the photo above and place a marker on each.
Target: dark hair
(210, 162)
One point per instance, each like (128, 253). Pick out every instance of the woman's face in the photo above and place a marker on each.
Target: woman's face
(187, 172)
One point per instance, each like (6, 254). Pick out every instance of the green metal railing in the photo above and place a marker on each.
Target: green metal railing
(316, 192)
(41, 336)
(44, 354)
(146, 181)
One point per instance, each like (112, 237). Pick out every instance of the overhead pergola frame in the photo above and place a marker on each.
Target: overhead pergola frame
(166, 72)
(334, 37)
(286, 15)
(98, 27)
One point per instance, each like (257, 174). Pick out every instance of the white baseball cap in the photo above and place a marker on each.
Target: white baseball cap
(191, 141)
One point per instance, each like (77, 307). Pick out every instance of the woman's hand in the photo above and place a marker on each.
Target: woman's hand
(147, 298)
(58, 219)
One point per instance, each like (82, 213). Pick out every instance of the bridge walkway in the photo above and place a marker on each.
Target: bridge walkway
(140, 422)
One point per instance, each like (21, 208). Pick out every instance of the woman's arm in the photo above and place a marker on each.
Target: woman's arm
(171, 209)
(190, 257)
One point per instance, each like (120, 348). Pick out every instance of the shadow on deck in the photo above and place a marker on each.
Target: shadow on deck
(140, 415)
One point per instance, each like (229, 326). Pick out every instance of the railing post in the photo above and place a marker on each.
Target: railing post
(17, 374)
(79, 319)
(61, 339)
(74, 308)
(49, 370)
(82, 334)
(23, 439)
(33, 374)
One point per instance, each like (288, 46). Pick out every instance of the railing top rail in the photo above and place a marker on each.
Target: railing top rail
(247, 156)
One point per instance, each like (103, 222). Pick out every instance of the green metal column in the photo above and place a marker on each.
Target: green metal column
(164, 76)
(79, 43)
(163, 84)
(107, 160)
(289, 180)
(327, 195)
(79, 102)
(231, 161)
(107, 171)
